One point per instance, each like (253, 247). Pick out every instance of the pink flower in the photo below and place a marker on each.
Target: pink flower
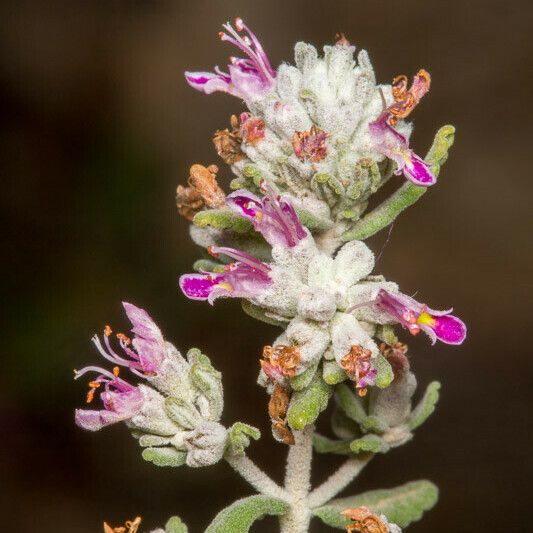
(145, 353)
(415, 316)
(246, 77)
(273, 216)
(252, 129)
(121, 400)
(395, 146)
(246, 278)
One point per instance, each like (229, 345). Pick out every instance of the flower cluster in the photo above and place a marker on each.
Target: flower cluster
(322, 130)
(174, 411)
(331, 306)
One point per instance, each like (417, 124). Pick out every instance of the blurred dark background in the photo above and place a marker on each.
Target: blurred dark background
(98, 127)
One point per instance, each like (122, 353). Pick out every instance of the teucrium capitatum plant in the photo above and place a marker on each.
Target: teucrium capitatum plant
(318, 140)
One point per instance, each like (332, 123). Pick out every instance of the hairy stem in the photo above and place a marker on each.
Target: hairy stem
(260, 481)
(406, 195)
(338, 481)
(298, 482)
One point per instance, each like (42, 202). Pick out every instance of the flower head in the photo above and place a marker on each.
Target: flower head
(228, 143)
(415, 316)
(245, 77)
(121, 400)
(245, 278)
(395, 146)
(310, 145)
(273, 216)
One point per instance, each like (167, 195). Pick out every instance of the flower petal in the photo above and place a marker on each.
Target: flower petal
(418, 171)
(208, 82)
(198, 286)
(450, 329)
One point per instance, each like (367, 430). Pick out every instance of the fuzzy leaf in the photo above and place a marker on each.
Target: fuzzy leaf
(259, 314)
(146, 440)
(401, 505)
(175, 525)
(374, 424)
(406, 195)
(307, 404)
(240, 515)
(222, 218)
(386, 334)
(166, 456)
(342, 426)
(181, 412)
(369, 443)
(239, 437)
(313, 222)
(425, 407)
(385, 374)
(323, 444)
(333, 373)
(301, 381)
(350, 403)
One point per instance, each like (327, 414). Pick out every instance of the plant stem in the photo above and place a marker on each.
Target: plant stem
(260, 481)
(298, 482)
(338, 480)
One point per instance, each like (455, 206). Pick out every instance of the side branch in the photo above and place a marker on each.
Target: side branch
(406, 195)
(338, 481)
(260, 481)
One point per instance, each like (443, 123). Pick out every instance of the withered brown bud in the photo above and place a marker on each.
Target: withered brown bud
(131, 526)
(228, 143)
(203, 191)
(396, 355)
(277, 410)
(364, 521)
(341, 40)
(280, 359)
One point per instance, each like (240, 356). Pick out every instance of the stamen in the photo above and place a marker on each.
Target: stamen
(107, 331)
(123, 338)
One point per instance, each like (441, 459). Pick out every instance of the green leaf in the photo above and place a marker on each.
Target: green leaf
(240, 515)
(182, 412)
(385, 373)
(301, 381)
(406, 195)
(175, 525)
(164, 456)
(239, 438)
(386, 334)
(425, 407)
(350, 403)
(333, 373)
(401, 505)
(323, 444)
(259, 314)
(369, 443)
(222, 218)
(306, 405)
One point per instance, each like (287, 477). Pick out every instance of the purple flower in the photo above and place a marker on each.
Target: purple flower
(148, 345)
(245, 278)
(121, 400)
(415, 316)
(246, 77)
(274, 217)
(395, 146)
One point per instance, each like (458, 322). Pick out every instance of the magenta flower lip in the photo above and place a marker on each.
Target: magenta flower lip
(246, 77)
(395, 146)
(414, 316)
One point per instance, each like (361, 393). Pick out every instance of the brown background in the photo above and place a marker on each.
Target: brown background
(98, 127)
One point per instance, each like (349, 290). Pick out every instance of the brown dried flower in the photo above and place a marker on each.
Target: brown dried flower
(280, 361)
(341, 40)
(356, 363)
(228, 143)
(310, 145)
(277, 410)
(252, 128)
(203, 191)
(364, 521)
(129, 527)
(405, 100)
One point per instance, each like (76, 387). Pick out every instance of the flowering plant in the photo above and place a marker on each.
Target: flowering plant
(318, 140)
